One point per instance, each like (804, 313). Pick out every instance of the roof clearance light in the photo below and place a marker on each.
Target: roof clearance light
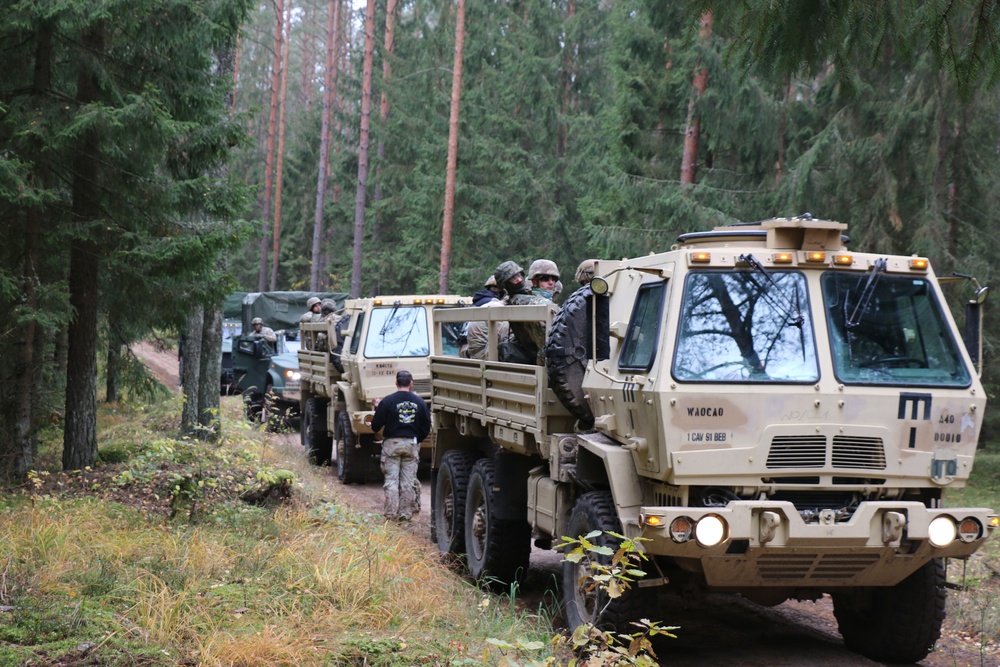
(419, 301)
(782, 258)
(919, 264)
(710, 530)
(941, 531)
(843, 260)
(969, 530)
(378, 302)
(701, 257)
(816, 256)
(440, 302)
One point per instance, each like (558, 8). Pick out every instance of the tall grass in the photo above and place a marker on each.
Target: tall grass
(303, 584)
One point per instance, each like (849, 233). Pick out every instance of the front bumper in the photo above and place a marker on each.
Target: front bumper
(768, 543)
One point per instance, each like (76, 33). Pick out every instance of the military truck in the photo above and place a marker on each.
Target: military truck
(232, 327)
(266, 374)
(777, 415)
(344, 365)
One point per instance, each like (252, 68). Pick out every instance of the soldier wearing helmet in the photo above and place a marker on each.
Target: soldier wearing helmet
(585, 272)
(544, 276)
(261, 332)
(313, 314)
(529, 336)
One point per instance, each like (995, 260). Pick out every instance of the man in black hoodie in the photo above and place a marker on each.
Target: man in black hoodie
(405, 420)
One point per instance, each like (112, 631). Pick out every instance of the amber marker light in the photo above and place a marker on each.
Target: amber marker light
(378, 302)
(919, 264)
(995, 522)
(816, 256)
(440, 302)
(782, 258)
(653, 520)
(843, 260)
(701, 257)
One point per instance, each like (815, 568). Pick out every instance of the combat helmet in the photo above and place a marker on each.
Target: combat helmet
(255, 321)
(585, 272)
(329, 305)
(506, 271)
(313, 300)
(543, 267)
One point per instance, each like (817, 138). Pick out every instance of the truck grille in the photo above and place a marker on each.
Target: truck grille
(797, 451)
(810, 451)
(773, 567)
(856, 452)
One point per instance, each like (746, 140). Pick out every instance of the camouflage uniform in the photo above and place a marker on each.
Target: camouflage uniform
(267, 333)
(313, 314)
(530, 336)
(405, 420)
(399, 465)
(478, 334)
(328, 314)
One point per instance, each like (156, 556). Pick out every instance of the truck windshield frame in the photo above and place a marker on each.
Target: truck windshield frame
(900, 337)
(733, 329)
(397, 331)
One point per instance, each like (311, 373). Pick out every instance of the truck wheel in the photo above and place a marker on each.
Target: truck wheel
(449, 500)
(899, 624)
(315, 436)
(586, 603)
(496, 549)
(350, 462)
(566, 355)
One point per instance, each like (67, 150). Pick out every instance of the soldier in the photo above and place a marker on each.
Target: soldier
(491, 291)
(529, 336)
(405, 420)
(328, 313)
(585, 272)
(262, 332)
(313, 314)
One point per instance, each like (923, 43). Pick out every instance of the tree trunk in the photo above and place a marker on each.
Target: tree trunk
(80, 430)
(689, 159)
(308, 57)
(329, 78)
(389, 48)
(209, 373)
(276, 254)
(449, 184)
(272, 124)
(236, 76)
(366, 119)
(194, 329)
(113, 367)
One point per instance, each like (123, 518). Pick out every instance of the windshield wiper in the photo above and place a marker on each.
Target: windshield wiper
(388, 320)
(789, 306)
(864, 300)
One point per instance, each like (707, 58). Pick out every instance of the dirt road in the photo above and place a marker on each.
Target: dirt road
(715, 631)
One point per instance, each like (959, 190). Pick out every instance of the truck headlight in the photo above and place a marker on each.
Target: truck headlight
(710, 530)
(293, 375)
(941, 531)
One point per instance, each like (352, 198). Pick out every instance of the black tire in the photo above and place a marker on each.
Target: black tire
(497, 550)
(582, 600)
(899, 624)
(350, 459)
(315, 436)
(450, 488)
(567, 350)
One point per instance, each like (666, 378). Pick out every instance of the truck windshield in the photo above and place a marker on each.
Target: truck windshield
(399, 331)
(898, 336)
(736, 327)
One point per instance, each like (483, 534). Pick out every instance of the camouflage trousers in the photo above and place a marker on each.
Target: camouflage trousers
(399, 465)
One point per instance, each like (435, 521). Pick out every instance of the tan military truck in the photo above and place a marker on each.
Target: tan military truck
(780, 417)
(344, 365)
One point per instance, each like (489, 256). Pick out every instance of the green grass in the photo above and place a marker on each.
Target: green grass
(93, 560)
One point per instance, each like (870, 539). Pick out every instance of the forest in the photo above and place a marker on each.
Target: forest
(159, 154)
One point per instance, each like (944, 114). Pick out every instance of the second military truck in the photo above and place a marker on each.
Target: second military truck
(347, 362)
(774, 414)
